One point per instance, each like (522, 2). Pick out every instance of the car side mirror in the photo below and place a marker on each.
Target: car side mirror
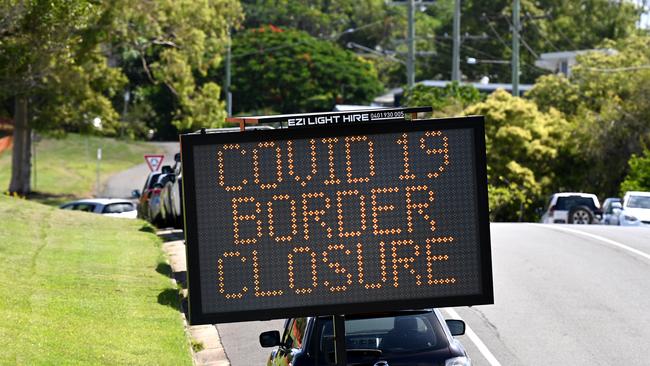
(457, 327)
(177, 157)
(136, 193)
(270, 338)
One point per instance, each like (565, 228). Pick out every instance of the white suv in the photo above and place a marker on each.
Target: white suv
(572, 208)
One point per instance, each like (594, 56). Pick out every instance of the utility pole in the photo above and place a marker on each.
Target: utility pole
(515, 48)
(410, 59)
(227, 86)
(455, 62)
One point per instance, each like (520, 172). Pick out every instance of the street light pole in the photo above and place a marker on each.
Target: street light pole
(455, 64)
(515, 48)
(410, 60)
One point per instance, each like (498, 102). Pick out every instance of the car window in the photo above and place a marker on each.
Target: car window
(165, 178)
(392, 335)
(153, 180)
(295, 332)
(609, 209)
(566, 203)
(86, 207)
(68, 207)
(118, 207)
(639, 202)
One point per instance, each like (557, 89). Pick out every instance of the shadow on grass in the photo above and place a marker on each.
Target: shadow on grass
(51, 199)
(164, 269)
(170, 297)
(146, 228)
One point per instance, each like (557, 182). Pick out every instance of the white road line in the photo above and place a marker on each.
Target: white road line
(474, 338)
(600, 238)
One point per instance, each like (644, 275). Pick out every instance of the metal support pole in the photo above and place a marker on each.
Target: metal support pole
(515, 47)
(410, 60)
(455, 62)
(227, 86)
(340, 354)
(99, 160)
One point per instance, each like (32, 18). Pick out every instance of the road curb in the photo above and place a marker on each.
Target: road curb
(206, 347)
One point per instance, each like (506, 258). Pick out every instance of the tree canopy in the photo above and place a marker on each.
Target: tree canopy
(522, 144)
(289, 71)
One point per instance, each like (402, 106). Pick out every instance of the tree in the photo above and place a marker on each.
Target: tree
(638, 177)
(522, 146)
(50, 68)
(166, 49)
(607, 101)
(448, 101)
(288, 71)
(547, 26)
(373, 24)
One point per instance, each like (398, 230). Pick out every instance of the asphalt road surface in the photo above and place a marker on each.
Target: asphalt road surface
(564, 295)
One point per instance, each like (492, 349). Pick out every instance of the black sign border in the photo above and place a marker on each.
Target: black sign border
(189, 141)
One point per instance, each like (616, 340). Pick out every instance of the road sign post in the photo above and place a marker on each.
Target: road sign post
(154, 161)
(365, 212)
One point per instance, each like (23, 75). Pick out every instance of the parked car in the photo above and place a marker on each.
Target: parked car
(415, 337)
(144, 195)
(155, 201)
(634, 211)
(104, 206)
(171, 197)
(609, 217)
(572, 208)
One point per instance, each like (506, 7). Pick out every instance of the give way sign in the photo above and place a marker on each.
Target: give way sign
(154, 161)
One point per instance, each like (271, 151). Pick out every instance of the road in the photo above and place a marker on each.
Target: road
(564, 295)
(121, 185)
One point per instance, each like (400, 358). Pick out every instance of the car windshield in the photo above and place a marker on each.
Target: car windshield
(566, 203)
(152, 180)
(387, 335)
(639, 202)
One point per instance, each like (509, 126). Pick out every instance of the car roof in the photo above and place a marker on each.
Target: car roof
(637, 193)
(101, 201)
(568, 194)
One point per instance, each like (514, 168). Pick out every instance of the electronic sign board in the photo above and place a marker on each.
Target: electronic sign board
(336, 219)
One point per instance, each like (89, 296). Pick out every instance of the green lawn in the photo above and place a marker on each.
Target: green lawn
(79, 288)
(67, 168)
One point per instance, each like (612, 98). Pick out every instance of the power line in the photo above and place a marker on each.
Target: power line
(489, 22)
(539, 32)
(523, 41)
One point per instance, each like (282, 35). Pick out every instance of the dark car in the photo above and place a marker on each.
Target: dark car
(155, 201)
(143, 197)
(414, 337)
(172, 198)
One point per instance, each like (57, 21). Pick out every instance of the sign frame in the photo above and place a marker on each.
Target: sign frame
(189, 141)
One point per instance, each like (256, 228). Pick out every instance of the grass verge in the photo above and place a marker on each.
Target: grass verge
(67, 168)
(80, 288)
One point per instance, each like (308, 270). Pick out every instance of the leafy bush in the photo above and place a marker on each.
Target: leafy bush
(522, 144)
(638, 178)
